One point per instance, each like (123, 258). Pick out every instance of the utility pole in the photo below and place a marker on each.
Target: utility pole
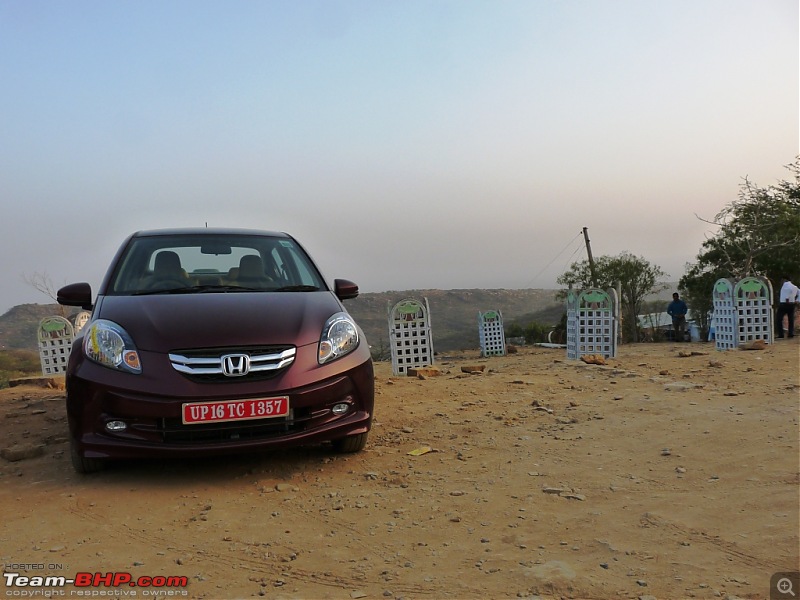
(591, 259)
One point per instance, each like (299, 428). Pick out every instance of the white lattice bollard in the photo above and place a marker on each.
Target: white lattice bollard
(592, 321)
(572, 324)
(410, 335)
(724, 318)
(80, 320)
(55, 342)
(742, 312)
(753, 297)
(491, 333)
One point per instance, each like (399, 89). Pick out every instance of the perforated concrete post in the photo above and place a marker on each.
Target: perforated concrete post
(753, 298)
(592, 322)
(55, 342)
(410, 335)
(725, 336)
(491, 333)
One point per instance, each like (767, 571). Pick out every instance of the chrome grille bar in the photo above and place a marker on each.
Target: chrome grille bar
(212, 365)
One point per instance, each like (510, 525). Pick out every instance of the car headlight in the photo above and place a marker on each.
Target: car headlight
(108, 344)
(339, 337)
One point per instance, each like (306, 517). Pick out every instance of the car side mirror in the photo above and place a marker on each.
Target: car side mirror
(344, 289)
(76, 294)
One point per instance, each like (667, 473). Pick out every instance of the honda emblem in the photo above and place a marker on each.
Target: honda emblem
(235, 365)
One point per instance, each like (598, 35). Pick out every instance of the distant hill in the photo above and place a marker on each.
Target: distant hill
(454, 315)
(18, 326)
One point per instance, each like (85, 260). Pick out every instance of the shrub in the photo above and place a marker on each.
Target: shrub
(18, 363)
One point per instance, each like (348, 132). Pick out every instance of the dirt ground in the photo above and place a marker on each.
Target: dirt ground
(654, 476)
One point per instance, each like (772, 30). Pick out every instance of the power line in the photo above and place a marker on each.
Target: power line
(569, 243)
(578, 248)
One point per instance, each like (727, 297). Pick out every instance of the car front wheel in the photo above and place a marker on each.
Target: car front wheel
(84, 465)
(351, 443)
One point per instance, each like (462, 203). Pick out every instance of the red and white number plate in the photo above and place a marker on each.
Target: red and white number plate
(235, 410)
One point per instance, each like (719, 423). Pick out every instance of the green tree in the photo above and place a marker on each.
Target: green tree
(695, 286)
(758, 234)
(536, 332)
(634, 275)
(532, 332)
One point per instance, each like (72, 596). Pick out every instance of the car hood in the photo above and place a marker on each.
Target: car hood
(166, 322)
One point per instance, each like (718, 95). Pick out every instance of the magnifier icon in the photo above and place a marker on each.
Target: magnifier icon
(784, 586)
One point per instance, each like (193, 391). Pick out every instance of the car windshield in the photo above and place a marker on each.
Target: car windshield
(185, 263)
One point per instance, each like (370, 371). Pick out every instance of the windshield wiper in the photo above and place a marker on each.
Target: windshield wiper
(297, 288)
(199, 289)
(217, 288)
(212, 288)
(155, 292)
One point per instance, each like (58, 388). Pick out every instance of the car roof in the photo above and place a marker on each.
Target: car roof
(207, 231)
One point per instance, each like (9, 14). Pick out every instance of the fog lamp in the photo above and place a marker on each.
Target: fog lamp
(116, 425)
(340, 408)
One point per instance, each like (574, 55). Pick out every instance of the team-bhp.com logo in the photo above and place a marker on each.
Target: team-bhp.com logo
(112, 579)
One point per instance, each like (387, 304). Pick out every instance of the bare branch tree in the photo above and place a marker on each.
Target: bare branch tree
(42, 282)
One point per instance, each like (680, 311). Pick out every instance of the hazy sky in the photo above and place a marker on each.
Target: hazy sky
(407, 144)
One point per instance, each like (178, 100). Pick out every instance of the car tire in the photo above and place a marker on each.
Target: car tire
(351, 443)
(84, 465)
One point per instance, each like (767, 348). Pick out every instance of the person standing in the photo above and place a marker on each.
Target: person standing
(677, 310)
(788, 297)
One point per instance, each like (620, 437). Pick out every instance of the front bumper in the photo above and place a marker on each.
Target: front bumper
(154, 426)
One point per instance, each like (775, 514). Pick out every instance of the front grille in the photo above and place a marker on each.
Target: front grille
(174, 431)
(207, 364)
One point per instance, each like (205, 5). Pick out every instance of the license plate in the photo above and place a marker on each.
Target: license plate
(235, 410)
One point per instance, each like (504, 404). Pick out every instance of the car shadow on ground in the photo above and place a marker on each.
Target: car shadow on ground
(281, 465)
(35, 449)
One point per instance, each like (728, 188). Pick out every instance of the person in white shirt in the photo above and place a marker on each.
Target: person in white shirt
(788, 298)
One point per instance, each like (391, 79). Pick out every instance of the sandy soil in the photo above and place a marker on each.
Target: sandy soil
(655, 476)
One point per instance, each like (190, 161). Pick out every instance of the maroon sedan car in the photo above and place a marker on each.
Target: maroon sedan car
(212, 341)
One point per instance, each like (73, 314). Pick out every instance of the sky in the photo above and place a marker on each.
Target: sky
(406, 144)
